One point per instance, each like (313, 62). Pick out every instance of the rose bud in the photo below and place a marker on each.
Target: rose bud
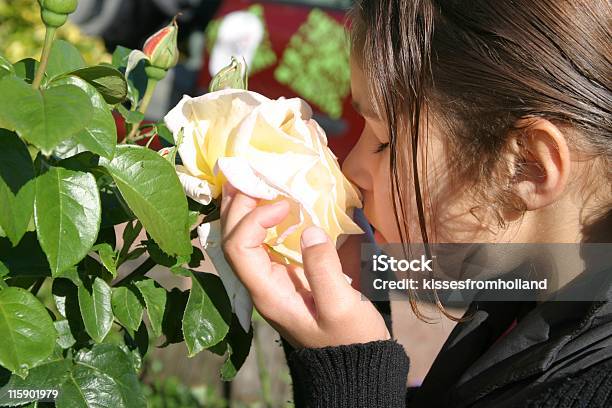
(55, 12)
(161, 48)
(164, 151)
(160, 51)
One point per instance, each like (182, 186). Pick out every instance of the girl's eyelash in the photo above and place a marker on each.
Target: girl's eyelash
(381, 147)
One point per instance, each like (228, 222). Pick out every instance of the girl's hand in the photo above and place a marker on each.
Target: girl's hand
(310, 307)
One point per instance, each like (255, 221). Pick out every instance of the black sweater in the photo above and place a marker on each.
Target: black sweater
(338, 377)
(559, 354)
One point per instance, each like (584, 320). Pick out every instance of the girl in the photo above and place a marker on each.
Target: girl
(485, 121)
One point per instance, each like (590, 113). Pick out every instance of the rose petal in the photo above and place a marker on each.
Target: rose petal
(241, 175)
(175, 119)
(209, 235)
(207, 121)
(273, 126)
(195, 188)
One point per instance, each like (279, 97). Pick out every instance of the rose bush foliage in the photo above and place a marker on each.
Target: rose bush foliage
(67, 188)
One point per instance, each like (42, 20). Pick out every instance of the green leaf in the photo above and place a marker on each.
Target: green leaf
(155, 299)
(3, 270)
(67, 215)
(131, 117)
(108, 257)
(16, 210)
(6, 68)
(159, 256)
(65, 339)
(96, 309)
(16, 197)
(27, 331)
(135, 357)
(173, 315)
(137, 81)
(136, 58)
(93, 267)
(208, 313)
(16, 167)
(108, 81)
(47, 376)
(64, 58)
(100, 134)
(138, 341)
(72, 274)
(139, 173)
(130, 233)
(136, 253)
(26, 69)
(114, 208)
(26, 259)
(102, 377)
(86, 162)
(238, 348)
(66, 298)
(127, 307)
(164, 133)
(120, 56)
(43, 117)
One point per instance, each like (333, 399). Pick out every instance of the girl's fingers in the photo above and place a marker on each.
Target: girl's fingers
(228, 191)
(243, 243)
(238, 207)
(323, 270)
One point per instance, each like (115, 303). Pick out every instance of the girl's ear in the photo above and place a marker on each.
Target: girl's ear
(541, 162)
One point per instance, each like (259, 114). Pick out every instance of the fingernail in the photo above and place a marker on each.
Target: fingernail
(313, 236)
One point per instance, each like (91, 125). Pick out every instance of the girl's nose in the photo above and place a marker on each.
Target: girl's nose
(356, 166)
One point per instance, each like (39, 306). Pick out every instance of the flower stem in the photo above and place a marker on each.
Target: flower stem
(144, 104)
(44, 58)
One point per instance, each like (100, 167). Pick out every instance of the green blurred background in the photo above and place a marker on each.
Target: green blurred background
(22, 33)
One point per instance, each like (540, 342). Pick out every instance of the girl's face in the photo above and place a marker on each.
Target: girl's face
(446, 204)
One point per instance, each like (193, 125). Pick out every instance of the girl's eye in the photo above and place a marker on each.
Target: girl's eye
(381, 147)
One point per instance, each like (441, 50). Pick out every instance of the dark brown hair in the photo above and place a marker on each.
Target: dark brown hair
(480, 66)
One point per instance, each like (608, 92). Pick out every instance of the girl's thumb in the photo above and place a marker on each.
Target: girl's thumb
(322, 266)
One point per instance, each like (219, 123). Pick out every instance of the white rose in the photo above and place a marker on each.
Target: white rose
(269, 149)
